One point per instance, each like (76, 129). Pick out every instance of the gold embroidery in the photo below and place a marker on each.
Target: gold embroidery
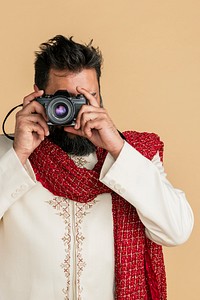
(81, 210)
(62, 205)
(79, 160)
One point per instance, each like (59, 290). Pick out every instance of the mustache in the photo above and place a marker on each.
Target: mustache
(73, 145)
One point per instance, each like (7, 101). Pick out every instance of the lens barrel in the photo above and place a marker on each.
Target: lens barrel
(60, 110)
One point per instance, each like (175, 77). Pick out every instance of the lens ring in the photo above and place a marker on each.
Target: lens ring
(60, 111)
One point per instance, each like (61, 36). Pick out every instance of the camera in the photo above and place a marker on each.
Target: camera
(61, 108)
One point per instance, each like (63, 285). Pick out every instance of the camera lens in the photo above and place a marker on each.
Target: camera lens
(61, 110)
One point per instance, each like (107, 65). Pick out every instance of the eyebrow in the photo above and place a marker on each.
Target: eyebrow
(91, 93)
(61, 75)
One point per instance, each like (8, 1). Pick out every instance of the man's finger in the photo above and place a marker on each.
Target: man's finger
(89, 96)
(29, 98)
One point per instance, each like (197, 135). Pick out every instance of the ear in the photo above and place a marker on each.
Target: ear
(36, 89)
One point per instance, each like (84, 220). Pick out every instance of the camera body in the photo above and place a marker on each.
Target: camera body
(61, 108)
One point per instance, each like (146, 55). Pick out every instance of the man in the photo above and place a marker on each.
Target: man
(84, 209)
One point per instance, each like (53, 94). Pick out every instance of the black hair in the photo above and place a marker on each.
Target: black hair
(63, 53)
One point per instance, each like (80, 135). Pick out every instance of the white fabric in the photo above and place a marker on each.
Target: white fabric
(54, 248)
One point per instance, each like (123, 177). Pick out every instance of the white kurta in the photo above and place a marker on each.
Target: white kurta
(57, 249)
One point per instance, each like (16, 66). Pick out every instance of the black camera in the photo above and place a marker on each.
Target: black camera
(61, 108)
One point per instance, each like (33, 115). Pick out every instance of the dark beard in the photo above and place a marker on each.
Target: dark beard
(76, 145)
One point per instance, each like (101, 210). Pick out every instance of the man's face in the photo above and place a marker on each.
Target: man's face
(65, 80)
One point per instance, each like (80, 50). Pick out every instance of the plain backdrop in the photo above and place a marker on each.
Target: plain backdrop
(150, 82)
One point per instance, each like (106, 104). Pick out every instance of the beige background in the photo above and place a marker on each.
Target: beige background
(150, 83)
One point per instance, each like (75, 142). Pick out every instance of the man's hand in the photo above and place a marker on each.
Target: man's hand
(94, 123)
(30, 128)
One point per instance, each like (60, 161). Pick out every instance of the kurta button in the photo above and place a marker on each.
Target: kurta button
(117, 187)
(23, 187)
(14, 195)
(111, 182)
(122, 191)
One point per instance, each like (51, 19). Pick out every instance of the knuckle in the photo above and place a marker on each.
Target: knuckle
(24, 99)
(84, 117)
(18, 114)
(19, 117)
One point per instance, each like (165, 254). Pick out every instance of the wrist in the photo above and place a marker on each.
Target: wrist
(21, 156)
(115, 152)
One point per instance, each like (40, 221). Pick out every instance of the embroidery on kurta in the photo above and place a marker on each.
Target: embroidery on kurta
(81, 210)
(62, 205)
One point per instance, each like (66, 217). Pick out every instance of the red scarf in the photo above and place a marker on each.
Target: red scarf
(139, 265)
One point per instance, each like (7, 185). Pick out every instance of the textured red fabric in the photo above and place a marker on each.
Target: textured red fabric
(139, 264)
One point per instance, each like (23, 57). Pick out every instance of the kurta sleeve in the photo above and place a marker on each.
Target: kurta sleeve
(163, 209)
(15, 179)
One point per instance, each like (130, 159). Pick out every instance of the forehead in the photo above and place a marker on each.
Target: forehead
(65, 80)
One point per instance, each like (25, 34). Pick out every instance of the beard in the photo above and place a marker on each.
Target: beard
(75, 145)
